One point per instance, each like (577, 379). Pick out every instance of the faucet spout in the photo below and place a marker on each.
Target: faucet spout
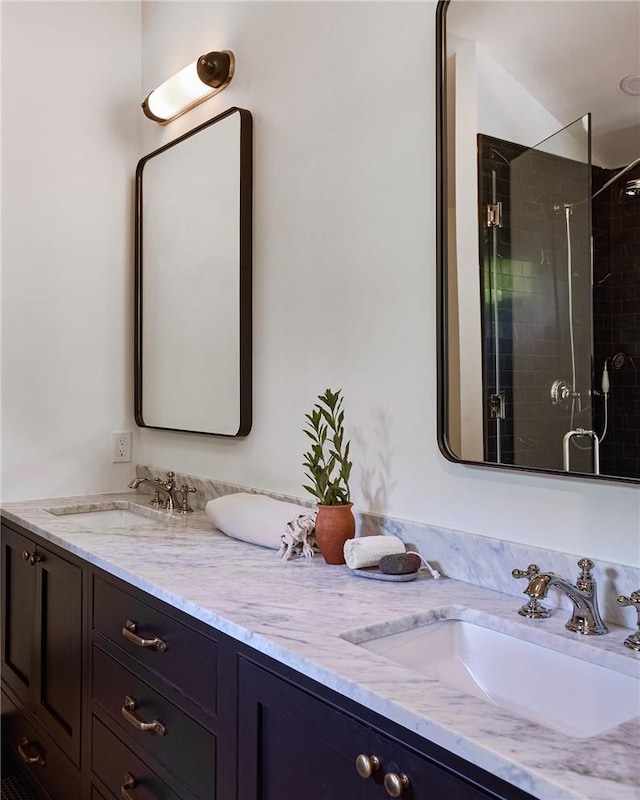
(586, 617)
(539, 585)
(167, 487)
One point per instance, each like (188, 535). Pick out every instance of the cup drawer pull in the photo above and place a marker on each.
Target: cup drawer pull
(128, 782)
(129, 632)
(128, 712)
(24, 743)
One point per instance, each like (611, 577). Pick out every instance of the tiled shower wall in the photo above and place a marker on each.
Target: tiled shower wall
(532, 331)
(616, 266)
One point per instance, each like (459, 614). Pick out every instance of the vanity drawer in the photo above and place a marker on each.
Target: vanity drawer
(50, 768)
(186, 659)
(186, 749)
(122, 772)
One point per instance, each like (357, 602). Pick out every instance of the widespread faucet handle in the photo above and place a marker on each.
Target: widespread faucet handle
(633, 640)
(169, 484)
(185, 491)
(585, 579)
(531, 571)
(632, 600)
(533, 609)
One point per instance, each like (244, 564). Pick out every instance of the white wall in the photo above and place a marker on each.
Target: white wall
(70, 85)
(344, 261)
(344, 276)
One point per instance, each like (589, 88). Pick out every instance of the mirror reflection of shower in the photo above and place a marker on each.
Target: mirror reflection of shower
(557, 281)
(561, 392)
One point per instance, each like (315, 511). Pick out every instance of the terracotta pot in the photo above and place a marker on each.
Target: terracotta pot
(334, 525)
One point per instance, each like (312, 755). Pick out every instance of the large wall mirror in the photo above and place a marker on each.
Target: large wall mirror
(193, 280)
(539, 235)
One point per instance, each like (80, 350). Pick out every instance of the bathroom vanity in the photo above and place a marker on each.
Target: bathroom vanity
(160, 659)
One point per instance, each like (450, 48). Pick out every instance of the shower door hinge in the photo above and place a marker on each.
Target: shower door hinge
(493, 217)
(497, 406)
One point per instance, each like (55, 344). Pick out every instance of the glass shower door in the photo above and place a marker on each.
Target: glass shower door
(537, 303)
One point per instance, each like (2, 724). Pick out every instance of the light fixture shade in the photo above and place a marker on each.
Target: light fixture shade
(631, 84)
(197, 82)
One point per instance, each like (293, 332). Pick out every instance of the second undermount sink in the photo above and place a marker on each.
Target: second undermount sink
(552, 688)
(111, 516)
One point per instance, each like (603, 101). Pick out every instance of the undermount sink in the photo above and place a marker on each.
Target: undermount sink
(111, 516)
(567, 694)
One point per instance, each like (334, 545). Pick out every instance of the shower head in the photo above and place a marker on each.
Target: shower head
(617, 361)
(632, 188)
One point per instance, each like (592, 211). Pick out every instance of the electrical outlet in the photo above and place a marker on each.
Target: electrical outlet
(121, 446)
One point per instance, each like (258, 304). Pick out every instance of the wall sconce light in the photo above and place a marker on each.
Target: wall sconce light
(190, 87)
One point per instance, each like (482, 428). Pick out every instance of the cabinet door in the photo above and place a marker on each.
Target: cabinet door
(290, 746)
(294, 746)
(18, 614)
(58, 628)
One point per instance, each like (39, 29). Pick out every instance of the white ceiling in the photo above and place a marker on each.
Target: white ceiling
(571, 55)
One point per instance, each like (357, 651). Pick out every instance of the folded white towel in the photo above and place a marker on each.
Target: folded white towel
(366, 551)
(253, 518)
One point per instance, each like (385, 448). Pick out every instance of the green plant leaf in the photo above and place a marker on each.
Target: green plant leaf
(328, 471)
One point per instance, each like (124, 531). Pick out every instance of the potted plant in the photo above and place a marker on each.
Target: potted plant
(328, 468)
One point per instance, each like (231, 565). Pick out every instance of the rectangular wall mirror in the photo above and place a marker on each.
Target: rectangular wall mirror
(193, 280)
(539, 235)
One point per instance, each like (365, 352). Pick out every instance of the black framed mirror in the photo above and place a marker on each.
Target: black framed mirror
(539, 235)
(193, 280)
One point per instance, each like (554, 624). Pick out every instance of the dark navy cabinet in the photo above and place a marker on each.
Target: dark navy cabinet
(299, 741)
(42, 664)
(111, 694)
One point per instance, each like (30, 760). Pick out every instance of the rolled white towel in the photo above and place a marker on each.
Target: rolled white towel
(254, 518)
(366, 551)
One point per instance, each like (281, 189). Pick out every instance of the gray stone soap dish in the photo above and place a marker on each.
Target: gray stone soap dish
(375, 574)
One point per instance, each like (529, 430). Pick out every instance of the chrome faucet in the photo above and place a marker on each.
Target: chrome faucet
(168, 487)
(586, 617)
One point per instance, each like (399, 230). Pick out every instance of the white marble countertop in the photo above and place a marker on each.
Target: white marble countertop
(297, 611)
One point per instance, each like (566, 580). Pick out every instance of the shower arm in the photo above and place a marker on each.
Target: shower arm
(615, 177)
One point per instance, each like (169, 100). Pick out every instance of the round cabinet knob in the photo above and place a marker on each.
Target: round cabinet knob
(395, 783)
(367, 765)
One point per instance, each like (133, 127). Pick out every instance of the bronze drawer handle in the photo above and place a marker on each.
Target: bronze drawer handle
(128, 782)
(129, 632)
(29, 759)
(133, 719)
(33, 558)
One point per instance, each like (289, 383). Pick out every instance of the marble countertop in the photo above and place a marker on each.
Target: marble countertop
(298, 612)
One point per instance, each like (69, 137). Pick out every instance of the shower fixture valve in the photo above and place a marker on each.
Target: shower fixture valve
(562, 393)
(563, 208)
